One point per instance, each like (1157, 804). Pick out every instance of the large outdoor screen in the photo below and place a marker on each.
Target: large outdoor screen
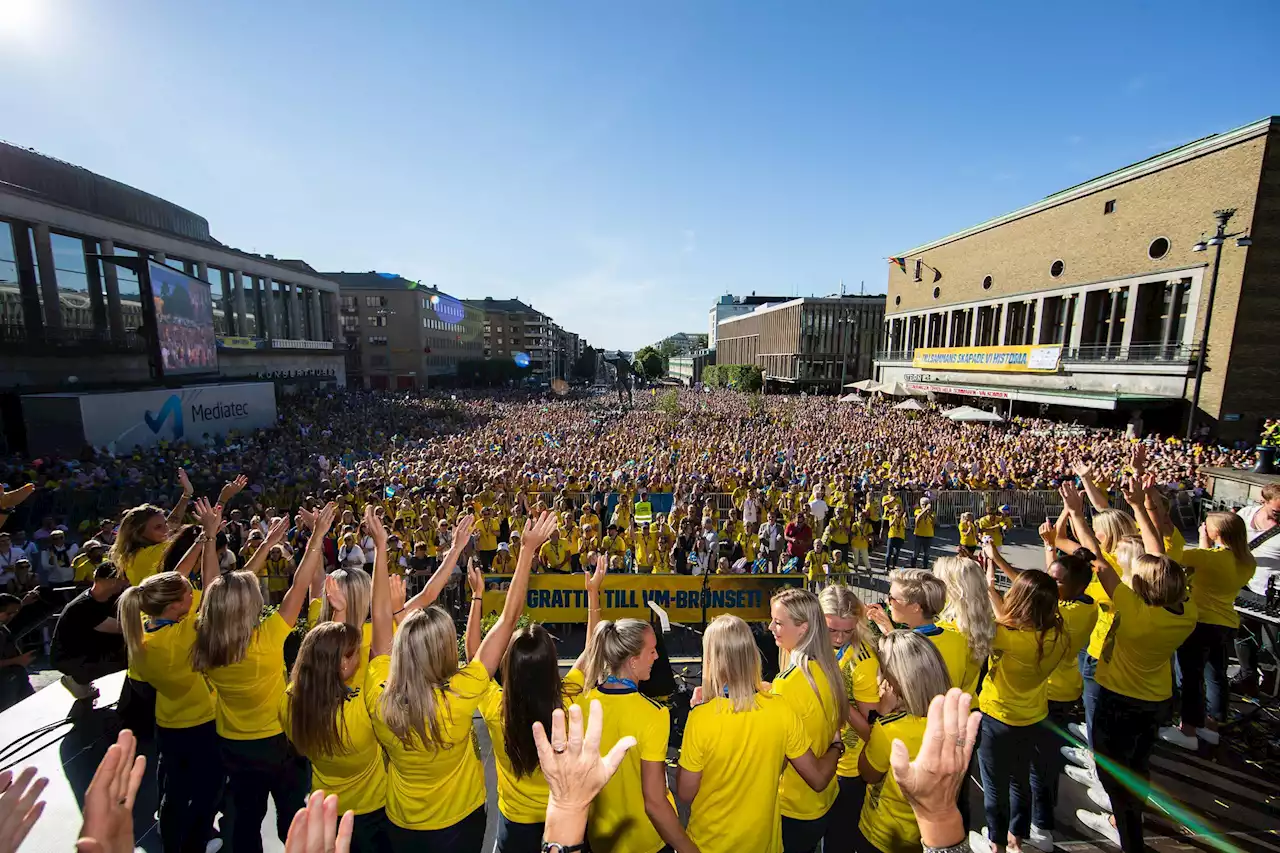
(184, 322)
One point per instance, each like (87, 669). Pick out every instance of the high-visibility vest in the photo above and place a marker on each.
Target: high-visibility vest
(643, 513)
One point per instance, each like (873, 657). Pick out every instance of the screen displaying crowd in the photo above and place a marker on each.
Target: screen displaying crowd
(371, 522)
(184, 322)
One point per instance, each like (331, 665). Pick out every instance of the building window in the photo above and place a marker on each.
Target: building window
(1056, 268)
(986, 283)
(349, 303)
(378, 340)
(349, 323)
(375, 301)
(897, 300)
(73, 282)
(937, 291)
(1158, 249)
(377, 321)
(1109, 206)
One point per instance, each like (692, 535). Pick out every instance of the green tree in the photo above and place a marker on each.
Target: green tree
(649, 363)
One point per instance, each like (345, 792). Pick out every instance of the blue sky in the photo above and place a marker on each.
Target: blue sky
(619, 165)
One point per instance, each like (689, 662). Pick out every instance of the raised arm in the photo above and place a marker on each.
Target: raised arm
(296, 597)
(1062, 533)
(494, 645)
(231, 489)
(440, 579)
(1137, 500)
(995, 558)
(595, 582)
(1097, 497)
(1075, 509)
(179, 510)
(997, 600)
(383, 629)
(210, 518)
(475, 580)
(275, 535)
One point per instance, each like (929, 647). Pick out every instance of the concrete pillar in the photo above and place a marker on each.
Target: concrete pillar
(237, 295)
(202, 270)
(267, 323)
(1037, 330)
(314, 305)
(295, 316)
(111, 285)
(1112, 338)
(1077, 321)
(48, 278)
(1002, 325)
(1130, 314)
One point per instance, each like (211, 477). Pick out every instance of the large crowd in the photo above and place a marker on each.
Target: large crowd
(369, 522)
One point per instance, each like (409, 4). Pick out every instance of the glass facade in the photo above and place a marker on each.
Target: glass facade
(71, 270)
(10, 293)
(130, 291)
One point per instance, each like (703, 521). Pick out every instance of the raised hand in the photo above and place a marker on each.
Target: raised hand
(335, 595)
(571, 762)
(108, 802)
(232, 488)
(1132, 491)
(323, 520)
(397, 593)
(1139, 459)
(21, 806)
(10, 499)
(536, 533)
(185, 482)
(373, 524)
(1082, 469)
(210, 517)
(276, 532)
(1048, 533)
(475, 580)
(1071, 498)
(316, 829)
(462, 532)
(932, 782)
(595, 580)
(880, 618)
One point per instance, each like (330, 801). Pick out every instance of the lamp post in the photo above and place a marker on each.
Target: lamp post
(1220, 236)
(846, 322)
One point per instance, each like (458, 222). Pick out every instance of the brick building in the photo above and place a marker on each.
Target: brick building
(815, 343)
(399, 334)
(511, 326)
(1092, 302)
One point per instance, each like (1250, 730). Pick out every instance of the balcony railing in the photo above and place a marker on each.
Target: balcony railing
(1092, 353)
(69, 341)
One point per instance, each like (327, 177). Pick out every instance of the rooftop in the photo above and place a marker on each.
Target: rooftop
(373, 281)
(511, 306)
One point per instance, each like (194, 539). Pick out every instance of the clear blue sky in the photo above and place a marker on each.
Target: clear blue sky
(620, 164)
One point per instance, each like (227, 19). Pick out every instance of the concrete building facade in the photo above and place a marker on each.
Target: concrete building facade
(817, 343)
(688, 367)
(1102, 278)
(511, 326)
(729, 305)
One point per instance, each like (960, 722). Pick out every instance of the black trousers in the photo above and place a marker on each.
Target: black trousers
(257, 769)
(842, 824)
(191, 776)
(1124, 733)
(803, 836)
(465, 836)
(518, 837)
(1048, 765)
(370, 833)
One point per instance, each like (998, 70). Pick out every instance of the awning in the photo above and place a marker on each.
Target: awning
(1080, 399)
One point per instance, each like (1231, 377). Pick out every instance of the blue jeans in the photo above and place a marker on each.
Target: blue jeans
(1202, 660)
(892, 552)
(1088, 666)
(518, 837)
(1005, 755)
(921, 551)
(1048, 763)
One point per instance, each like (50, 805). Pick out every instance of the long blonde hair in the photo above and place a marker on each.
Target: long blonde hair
(968, 603)
(358, 587)
(230, 612)
(1112, 525)
(424, 657)
(129, 540)
(1158, 580)
(730, 662)
(317, 726)
(1128, 548)
(611, 646)
(803, 608)
(150, 597)
(915, 670)
(1230, 530)
(840, 601)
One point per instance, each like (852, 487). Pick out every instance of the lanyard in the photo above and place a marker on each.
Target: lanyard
(613, 680)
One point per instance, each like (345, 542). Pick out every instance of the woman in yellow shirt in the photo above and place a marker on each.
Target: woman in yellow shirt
(968, 532)
(1030, 641)
(812, 684)
(895, 524)
(159, 648)
(634, 813)
(854, 647)
(242, 656)
(141, 542)
(912, 672)
(328, 723)
(968, 611)
(421, 705)
(1221, 566)
(532, 690)
(735, 738)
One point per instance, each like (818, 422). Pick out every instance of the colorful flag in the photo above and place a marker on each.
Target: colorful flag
(901, 262)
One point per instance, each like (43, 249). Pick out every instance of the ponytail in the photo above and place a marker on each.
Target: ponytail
(610, 646)
(149, 598)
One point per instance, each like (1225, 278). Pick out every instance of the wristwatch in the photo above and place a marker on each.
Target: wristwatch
(557, 847)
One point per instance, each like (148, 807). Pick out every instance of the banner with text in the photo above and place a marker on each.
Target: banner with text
(1017, 359)
(563, 598)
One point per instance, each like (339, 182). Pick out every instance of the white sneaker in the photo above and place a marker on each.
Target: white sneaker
(1174, 735)
(1209, 736)
(979, 843)
(1081, 775)
(1079, 732)
(78, 690)
(1041, 839)
(1100, 824)
(1100, 798)
(213, 845)
(1078, 756)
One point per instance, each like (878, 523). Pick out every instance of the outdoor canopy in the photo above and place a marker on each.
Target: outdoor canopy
(968, 414)
(910, 404)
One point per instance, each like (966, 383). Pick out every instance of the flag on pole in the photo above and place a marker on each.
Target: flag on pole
(901, 262)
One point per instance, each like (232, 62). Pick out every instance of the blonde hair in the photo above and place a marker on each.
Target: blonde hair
(840, 601)
(1127, 549)
(1112, 525)
(803, 608)
(611, 646)
(151, 597)
(1229, 529)
(424, 657)
(230, 612)
(922, 588)
(1158, 580)
(730, 662)
(358, 588)
(915, 670)
(968, 603)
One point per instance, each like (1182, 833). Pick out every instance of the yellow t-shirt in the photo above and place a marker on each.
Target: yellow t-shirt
(1136, 656)
(1015, 691)
(646, 549)
(248, 692)
(145, 563)
(954, 649)
(1216, 578)
(487, 530)
(993, 525)
(860, 534)
(817, 711)
(618, 822)
(427, 787)
(898, 527)
(737, 807)
(1174, 545)
(887, 820)
(83, 569)
(1079, 617)
(357, 774)
(183, 697)
(813, 564)
(554, 554)
(504, 563)
(924, 522)
(968, 534)
(861, 671)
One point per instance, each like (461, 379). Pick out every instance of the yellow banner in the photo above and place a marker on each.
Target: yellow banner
(1021, 359)
(563, 598)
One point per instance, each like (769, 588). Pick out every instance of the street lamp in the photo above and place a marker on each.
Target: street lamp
(1219, 237)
